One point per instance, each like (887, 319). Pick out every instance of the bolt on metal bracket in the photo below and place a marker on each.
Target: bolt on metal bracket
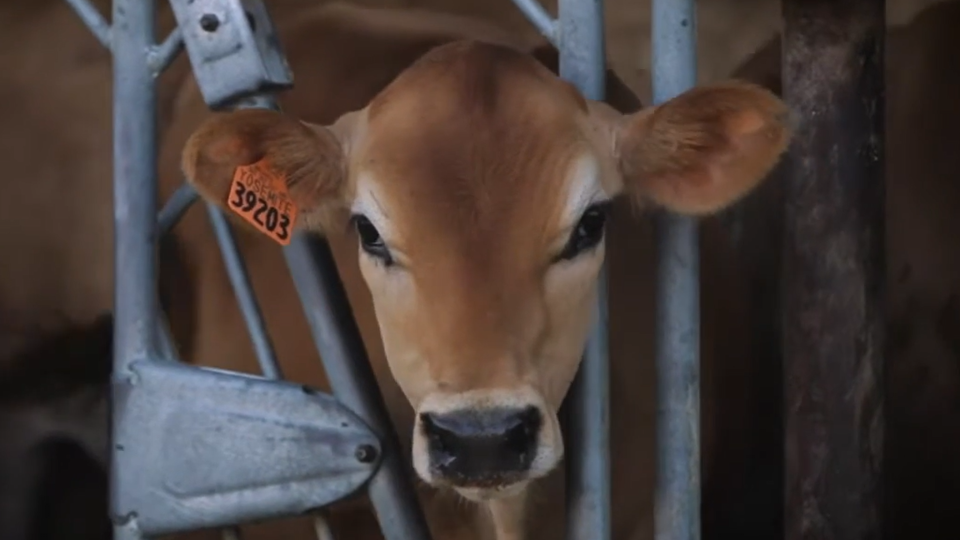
(233, 48)
(210, 448)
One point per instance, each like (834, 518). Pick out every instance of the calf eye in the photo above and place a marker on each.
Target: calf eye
(588, 233)
(370, 239)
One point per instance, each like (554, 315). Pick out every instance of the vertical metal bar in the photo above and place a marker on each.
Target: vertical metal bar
(583, 63)
(135, 183)
(353, 382)
(243, 289)
(834, 268)
(678, 303)
(135, 209)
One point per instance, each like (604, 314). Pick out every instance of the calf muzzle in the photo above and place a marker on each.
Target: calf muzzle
(482, 448)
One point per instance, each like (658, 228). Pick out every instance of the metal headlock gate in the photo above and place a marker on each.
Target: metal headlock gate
(224, 472)
(216, 468)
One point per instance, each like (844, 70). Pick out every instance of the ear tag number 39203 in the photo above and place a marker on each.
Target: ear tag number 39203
(260, 197)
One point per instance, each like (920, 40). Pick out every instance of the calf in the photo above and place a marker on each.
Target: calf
(470, 197)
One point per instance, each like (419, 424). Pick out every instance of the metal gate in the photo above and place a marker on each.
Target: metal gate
(151, 494)
(231, 62)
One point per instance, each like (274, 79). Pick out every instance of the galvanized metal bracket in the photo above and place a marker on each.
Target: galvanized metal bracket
(198, 447)
(233, 48)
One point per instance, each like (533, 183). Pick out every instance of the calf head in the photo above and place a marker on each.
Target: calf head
(479, 183)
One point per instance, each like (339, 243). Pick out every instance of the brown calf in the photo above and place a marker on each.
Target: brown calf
(480, 187)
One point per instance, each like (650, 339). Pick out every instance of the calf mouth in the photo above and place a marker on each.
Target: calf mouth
(486, 494)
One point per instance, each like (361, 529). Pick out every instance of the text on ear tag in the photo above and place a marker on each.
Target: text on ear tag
(260, 197)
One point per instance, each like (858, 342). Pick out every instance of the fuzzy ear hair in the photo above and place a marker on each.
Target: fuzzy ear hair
(307, 161)
(704, 149)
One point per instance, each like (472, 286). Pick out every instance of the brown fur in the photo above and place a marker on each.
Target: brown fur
(676, 155)
(922, 482)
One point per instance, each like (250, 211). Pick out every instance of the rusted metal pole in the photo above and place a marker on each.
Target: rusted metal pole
(833, 269)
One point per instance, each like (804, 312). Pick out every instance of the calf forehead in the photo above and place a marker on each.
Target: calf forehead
(476, 147)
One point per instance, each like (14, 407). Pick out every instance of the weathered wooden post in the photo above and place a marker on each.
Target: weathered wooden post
(833, 269)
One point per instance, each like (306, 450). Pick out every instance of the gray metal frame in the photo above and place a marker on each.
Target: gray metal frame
(151, 496)
(678, 303)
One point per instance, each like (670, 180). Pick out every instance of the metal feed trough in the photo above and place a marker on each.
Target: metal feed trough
(221, 427)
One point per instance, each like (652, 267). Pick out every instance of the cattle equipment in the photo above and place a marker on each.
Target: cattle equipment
(236, 61)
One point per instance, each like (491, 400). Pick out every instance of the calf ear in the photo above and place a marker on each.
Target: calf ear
(295, 167)
(704, 149)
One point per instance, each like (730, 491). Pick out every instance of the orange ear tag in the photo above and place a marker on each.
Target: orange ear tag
(260, 197)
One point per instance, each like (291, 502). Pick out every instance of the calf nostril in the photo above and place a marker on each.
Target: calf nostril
(430, 429)
(476, 446)
(520, 437)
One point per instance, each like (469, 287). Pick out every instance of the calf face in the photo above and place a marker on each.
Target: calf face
(479, 183)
